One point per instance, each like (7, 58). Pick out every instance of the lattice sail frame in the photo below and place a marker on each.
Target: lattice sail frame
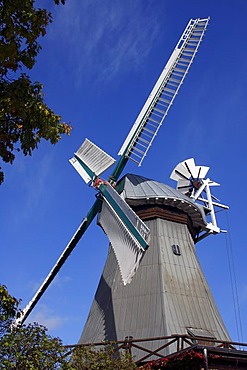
(161, 98)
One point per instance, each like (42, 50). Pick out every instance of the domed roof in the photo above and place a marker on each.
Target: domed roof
(138, 190)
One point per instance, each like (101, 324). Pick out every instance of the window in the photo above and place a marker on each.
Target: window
(176, 249)
(202, 337)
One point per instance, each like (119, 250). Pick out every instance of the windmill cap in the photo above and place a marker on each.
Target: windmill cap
(138, 190)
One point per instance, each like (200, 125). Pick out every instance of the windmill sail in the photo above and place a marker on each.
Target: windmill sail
(160, 100)
(191, 181)
(128, 234)
(187, 169)
(90, 161)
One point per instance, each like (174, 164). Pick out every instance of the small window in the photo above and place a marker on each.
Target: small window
(202, 337)
(176, 249)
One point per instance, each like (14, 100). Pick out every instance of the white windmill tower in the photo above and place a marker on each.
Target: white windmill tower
(152, 283)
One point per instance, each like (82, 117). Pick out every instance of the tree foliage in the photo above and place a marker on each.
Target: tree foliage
(25, 118)
(30, 348)
(89, 358)
(8, 310)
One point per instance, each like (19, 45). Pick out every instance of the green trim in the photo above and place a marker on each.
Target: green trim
(119, 168)
(86, 168)
(92, 213)
(120, 185)
(123, 217)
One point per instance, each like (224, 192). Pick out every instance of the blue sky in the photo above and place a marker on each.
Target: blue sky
(99, 61)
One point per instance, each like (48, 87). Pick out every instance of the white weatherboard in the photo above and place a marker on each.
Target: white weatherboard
(94, 158)
(128, 234)
(127, 249)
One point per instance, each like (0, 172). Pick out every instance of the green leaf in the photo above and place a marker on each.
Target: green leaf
(25, 119)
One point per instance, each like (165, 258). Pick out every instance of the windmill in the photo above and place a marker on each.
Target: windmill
(140, 217)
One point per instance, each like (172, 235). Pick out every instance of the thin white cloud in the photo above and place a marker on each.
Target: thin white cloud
(99, 39)
(45, 316)
(36, 183)
(42, 313)
(31, 176)
(58, 282)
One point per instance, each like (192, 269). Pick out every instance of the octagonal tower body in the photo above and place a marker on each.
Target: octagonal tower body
(169, 293)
